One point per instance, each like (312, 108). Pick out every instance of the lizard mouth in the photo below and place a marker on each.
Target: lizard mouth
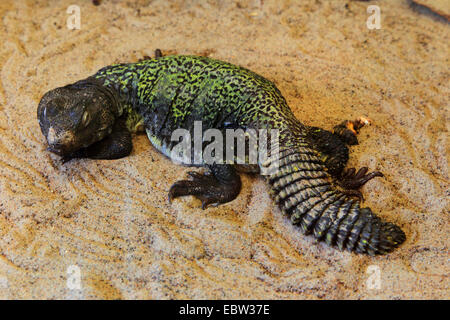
(60, 149)
(56, 150)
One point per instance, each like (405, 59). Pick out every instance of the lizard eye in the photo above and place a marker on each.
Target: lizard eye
(85, 119)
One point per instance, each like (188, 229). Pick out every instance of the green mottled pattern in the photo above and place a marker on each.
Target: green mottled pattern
(187, 88)
(161, 95)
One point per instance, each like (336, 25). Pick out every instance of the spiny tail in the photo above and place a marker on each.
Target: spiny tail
(303, 190)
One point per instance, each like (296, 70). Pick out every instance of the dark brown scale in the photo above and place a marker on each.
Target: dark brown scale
(374, 239)
(334, 228)
(286, 190)
(327, 218)
(315, 211)
(354, 235)
(346, 225)
(300, 174)
(286, 180)
(296, 200)
(300, 211)
(314, 214)
(302, 165)
(364, 237)
(293, 179)
(302, 159)
(393, 236)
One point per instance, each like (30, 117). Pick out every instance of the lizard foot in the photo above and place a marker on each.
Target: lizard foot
(74, 155)
(348, 130)
(354, 193)
(351, 180)
(207, 188)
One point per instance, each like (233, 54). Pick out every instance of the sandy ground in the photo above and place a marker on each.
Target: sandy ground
(110, 222)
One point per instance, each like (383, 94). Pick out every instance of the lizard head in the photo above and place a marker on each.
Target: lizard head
(75, 116)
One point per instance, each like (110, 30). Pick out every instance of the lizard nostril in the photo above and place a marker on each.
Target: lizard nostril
(55, 139)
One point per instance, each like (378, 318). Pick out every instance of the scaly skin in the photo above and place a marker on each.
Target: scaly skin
(163, 94)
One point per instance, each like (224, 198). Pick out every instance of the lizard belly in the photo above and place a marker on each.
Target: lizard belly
(165, 148)
(158, 143)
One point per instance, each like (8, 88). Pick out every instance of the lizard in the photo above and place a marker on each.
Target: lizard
(96, 117)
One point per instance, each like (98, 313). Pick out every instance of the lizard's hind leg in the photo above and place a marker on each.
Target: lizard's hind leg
(333, 149)
(221, 185)
(350, 179)
(348, 129)
(353, 180)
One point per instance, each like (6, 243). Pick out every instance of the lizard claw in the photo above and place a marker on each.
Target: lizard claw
(204, 187)
(352, 180)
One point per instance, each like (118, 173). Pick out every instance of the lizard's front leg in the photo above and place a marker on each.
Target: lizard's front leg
(116, 145)
(221, 185)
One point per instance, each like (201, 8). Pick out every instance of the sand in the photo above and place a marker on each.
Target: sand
(109, 222)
